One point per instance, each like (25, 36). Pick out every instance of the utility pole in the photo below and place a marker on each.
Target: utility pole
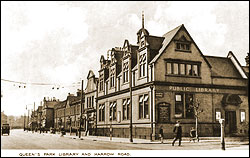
(28, 118)
(130, 90)
(24, 122)
(81, 110)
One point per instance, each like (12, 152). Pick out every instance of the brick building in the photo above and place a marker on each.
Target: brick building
(47, 117)
(89, 112)
(170, 75)
(67, 112)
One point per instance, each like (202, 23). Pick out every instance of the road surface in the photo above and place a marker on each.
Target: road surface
(18, 139)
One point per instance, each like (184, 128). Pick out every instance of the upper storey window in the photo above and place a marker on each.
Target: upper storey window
(112, 78)
(142, 65)
(182, 68)
(183, 45)
(125, 72)
(101, 86)
(113, 59)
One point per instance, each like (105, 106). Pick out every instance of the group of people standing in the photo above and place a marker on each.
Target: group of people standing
(178, 133)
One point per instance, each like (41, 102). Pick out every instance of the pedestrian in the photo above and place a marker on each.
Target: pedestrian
(161, 134)
(62, 131)
(192, 134)
(178, 132)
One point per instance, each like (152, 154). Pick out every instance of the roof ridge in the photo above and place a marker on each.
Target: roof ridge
(211, 56)
(172, 30)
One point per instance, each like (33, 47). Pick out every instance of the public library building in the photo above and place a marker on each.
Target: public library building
(169, 75)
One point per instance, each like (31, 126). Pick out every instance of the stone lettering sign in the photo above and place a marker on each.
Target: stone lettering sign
(164, 112)
(193, 89)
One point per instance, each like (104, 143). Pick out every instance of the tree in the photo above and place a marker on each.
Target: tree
(197, 111)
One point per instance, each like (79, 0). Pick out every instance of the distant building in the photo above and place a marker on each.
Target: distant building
(67, 113)
(47, 119)
(89, 116)
(4, 118)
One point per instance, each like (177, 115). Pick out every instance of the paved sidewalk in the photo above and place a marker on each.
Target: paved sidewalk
(241, 140)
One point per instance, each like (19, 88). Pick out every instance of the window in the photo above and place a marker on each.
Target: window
(112, 78)
(125, 72)
(187, 69)
(178, 105)
(176, 70)
(169, 68)
(182, 69)
(101, 112)
(183, 46)
(184, 105)
(195, 70)
(101, 83)
(143, 106)
(142, 65)
(125, 109)
(217, 114)
(92, 101)
(189, 106)
(112, 111)
(242, 116)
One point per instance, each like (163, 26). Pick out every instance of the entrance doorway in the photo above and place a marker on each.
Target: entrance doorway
(230, 120)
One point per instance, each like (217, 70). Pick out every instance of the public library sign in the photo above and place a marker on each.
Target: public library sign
(193, 89)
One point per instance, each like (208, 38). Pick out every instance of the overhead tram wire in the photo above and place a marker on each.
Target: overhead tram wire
(55, 86)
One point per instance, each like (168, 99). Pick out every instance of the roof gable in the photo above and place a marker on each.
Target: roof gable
(169, 36)
(237, 64)
(222, 67)
(90, 74)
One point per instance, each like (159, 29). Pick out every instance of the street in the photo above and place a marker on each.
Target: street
(18, 139)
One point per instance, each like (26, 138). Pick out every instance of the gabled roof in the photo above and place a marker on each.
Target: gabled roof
(90, 74)
(72, 98)
(222, 67)
(167, 39)
(246, 69)
(60, 104)
(155, 42)
(237, 64)
(169, 36)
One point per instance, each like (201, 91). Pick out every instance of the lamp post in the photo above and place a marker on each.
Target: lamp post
(151, 113)
(130, 92)
(81, 110)
(222, 121)
(110, 129)
(40, 123)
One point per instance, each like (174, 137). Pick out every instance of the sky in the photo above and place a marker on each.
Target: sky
(57, 43)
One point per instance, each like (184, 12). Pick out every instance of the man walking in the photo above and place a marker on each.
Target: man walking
(161, 134)
(178, 132)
